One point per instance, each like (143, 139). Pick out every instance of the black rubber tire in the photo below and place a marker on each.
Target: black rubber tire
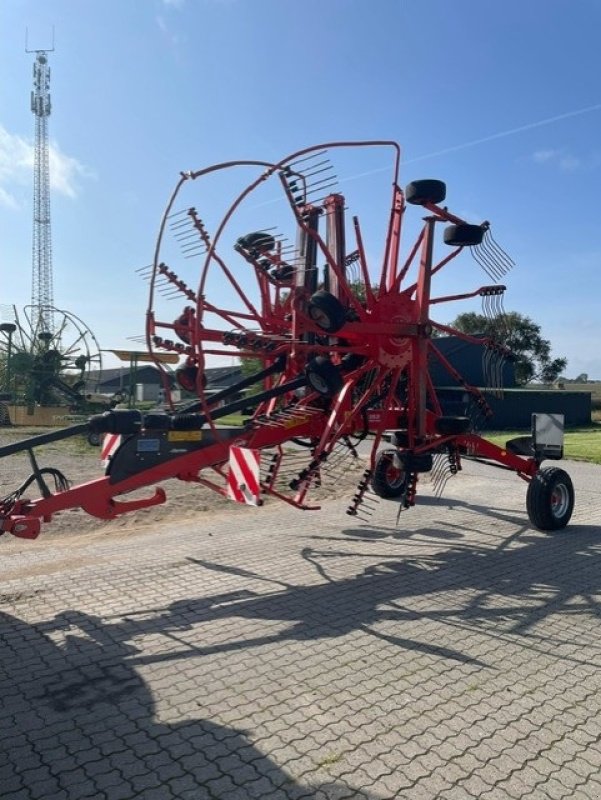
(550, 499)
(387, 480)
(94, 439)
(283, 274)
(326, 311)
(256, 243)
(351, 361)
(463, 235)
(425, 191)
(452, 426)
(324, 377)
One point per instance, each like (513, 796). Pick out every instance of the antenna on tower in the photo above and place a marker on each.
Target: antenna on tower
(42, 299)
(43, 50)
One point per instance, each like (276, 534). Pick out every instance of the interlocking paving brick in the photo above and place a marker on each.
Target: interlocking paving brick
(307, 656)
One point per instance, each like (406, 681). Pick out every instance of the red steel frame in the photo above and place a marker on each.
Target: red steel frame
(389, 330)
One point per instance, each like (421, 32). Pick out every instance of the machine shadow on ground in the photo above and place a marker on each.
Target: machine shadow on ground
(79, 721)
(78, 712)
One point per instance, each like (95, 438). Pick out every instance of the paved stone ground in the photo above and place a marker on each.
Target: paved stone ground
(283, 654)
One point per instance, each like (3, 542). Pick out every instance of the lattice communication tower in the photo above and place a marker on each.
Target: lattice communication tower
(42, 299)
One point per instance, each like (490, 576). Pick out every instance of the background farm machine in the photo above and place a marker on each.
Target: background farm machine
(337, 353)
(47, 358)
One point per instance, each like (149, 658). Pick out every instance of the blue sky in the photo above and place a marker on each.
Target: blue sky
(500, 100)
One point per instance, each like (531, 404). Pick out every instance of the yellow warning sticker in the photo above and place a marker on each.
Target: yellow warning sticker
(184, 436)
(295, 422)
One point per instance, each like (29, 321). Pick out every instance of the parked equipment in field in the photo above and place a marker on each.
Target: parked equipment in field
(339, 355)
(48, 358)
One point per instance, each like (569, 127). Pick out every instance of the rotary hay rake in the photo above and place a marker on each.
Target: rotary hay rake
(48, 358)
(340, 356)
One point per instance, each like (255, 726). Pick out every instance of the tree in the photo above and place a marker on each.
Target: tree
(250, 366)
(531, 352)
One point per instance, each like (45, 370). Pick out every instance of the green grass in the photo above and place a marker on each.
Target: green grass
(329, 760)
(235, 420)
(580, 444)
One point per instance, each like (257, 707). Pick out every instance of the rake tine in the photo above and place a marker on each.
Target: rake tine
(322, 197)
(494, 245)
(485, 365)
(492, 259)
(182, 223)
(501, 365)
(495, 268)
(312, 186)
(502, 261)
(482, 260)
(195, 246)
(181, 237)
(306, 158)
(314, 171)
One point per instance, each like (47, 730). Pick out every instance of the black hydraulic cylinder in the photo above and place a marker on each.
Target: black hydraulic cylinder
(268, 394)
(277, 366)
(192, 421)
(119, 421)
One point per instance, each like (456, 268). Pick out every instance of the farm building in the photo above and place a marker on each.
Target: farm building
(512, 409)
(514, 406)
(145, 382)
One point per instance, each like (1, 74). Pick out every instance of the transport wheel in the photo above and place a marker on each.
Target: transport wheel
(326, 311)
(463, 235)
(426, 191)
(283, 274)
(388, 479)
(351, 361)
(94, 439)
(550, 499)
(256, 243)
(324, 377)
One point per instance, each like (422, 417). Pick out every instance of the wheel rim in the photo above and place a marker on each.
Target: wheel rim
(394, 476)
(560, 500)
(318, 383)
(320, 318)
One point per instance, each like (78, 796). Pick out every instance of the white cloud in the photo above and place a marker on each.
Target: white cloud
(569, 162)
(172, 38)
(16, 168)
(544, 155)
(7, 200)
(65, 172)
(565, 160)
(16, 156)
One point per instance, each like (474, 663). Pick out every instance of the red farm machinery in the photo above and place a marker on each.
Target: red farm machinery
(337, 354)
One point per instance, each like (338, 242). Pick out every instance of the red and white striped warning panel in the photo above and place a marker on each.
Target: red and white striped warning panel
(243, 477)
(110, 443)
